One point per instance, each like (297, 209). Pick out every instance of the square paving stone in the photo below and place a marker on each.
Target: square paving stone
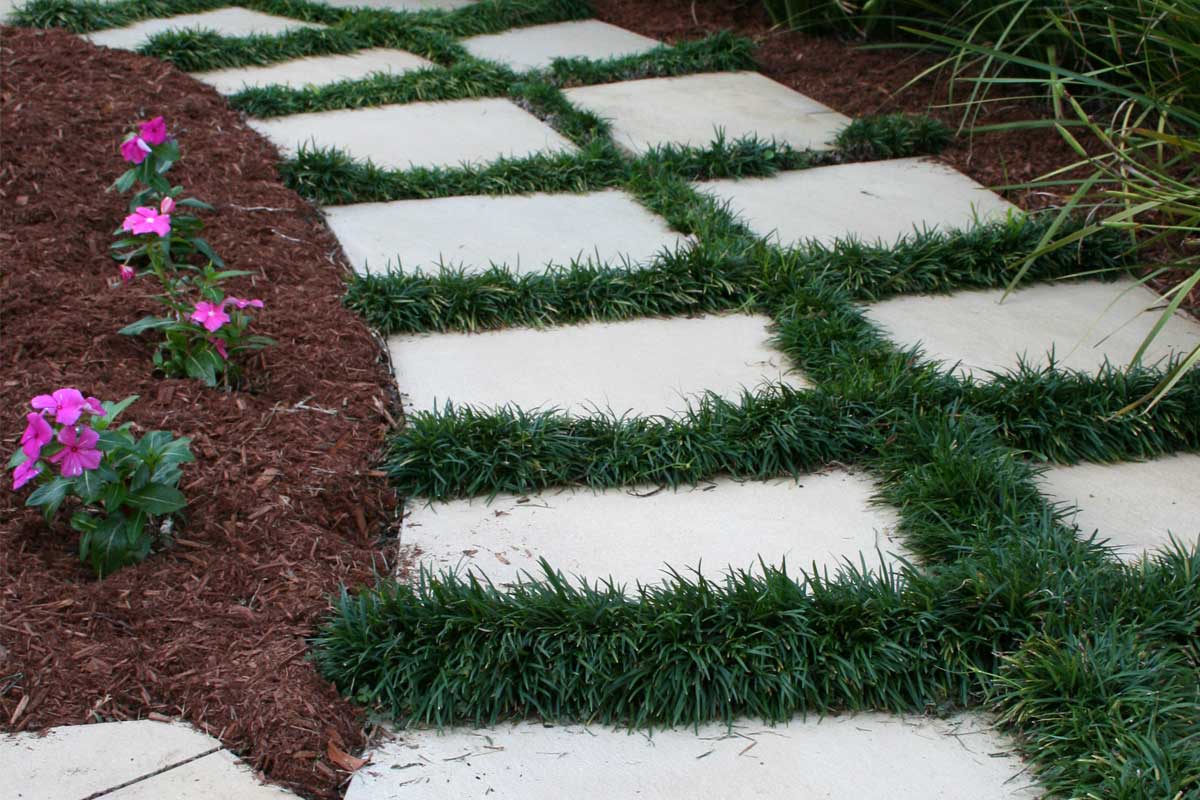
(632, 535)
(77, 761)
(402, 5)
(225, 21)
(690, 109)
(872, 200)
(315, 71)
(219, 776)
(537, 46)
(1083, 323)
(850, 757)
(478, 231)
(647, 366)
(1136, 506)
(445, 134)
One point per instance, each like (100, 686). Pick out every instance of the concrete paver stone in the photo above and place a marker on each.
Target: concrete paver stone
(478, 231)
(835, 758)
(633, 534)
(647, 366)
(77, 761)
(445, 134)
(314, 71)
(870, 200)
(1082, 322)
(689, 110)
(232, 21)
(537, 46)
(1136, 506)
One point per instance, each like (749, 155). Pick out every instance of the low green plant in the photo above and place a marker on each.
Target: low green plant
(124, 488)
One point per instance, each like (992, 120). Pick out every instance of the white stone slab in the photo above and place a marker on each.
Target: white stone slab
(632, 535)
(1136, 506)
(1083, 322)
(690, 109)
(836, 758)
(225, 21)
(315, 71)
(219, 776)
(420, 134)
(477, 231)
(872, 200)
(646, 366)
(402, 5)
(537, 46)
(77, 761)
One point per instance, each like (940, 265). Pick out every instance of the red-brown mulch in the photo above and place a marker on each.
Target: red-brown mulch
(284, 506)
(856, 81)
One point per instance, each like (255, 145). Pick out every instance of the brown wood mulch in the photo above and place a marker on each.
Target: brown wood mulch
(856, 80)
(284, 504)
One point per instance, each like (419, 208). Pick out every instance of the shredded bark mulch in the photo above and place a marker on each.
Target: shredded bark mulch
(849, 77)
(284, 503)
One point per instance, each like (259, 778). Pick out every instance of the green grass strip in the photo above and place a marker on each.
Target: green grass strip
(460, 451)
(719, 52)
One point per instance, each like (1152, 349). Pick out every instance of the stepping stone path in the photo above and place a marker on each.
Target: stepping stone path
(139, 760)
(315, 71)
(651, 367)
(537, 47)
(506, 230)
(225, 21)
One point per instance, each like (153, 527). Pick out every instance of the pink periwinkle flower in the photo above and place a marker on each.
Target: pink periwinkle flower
(134, 149)
(127, 273)
(24, 473)
(154, 131)
(79, 451)
(94, 406)
(37, 435)
(219, 346)
(167, 206)
(65, 404)
(210, 315)
(147, 220)
(239, 303)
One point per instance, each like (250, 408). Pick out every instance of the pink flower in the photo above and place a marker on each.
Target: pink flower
(37, 435)
(134, 149)
(24, 473)
(154, 131)
(147, 220)
(210, 315)
(79, 451)
(66, 405)
(168, 205)
(94, 406)
(239, 303)
(126, 272)
(219, 346)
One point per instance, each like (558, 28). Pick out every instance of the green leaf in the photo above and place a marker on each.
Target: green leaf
(125, 182)
(112, 411)
(207, 251)
(108, 547)
(146, 324)
(203, 365)
(51, 495)
(157, 499)
(17, 459)
(84, 522)
(176, 451)
(192, 202)
(91, 483)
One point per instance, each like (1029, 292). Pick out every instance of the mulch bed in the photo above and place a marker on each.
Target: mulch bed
(856, 81)
(284, 504)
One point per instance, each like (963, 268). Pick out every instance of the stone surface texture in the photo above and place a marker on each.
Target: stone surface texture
(445, 134)
(1084, 323)
(402, 5)
(835, 758)
(689, 110)
(537, 46)
(871, 201)
(232, 21)
(512, 230)
(633, 534)
(644, 366)
(1137, 506)
(315, 71)
(218, 776)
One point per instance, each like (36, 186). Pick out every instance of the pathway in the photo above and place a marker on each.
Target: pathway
(656, 366)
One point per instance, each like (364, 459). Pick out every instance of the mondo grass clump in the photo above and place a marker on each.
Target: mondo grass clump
(719, 52)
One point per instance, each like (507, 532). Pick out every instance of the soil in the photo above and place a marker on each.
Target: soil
(855, 80)
(284, 507)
